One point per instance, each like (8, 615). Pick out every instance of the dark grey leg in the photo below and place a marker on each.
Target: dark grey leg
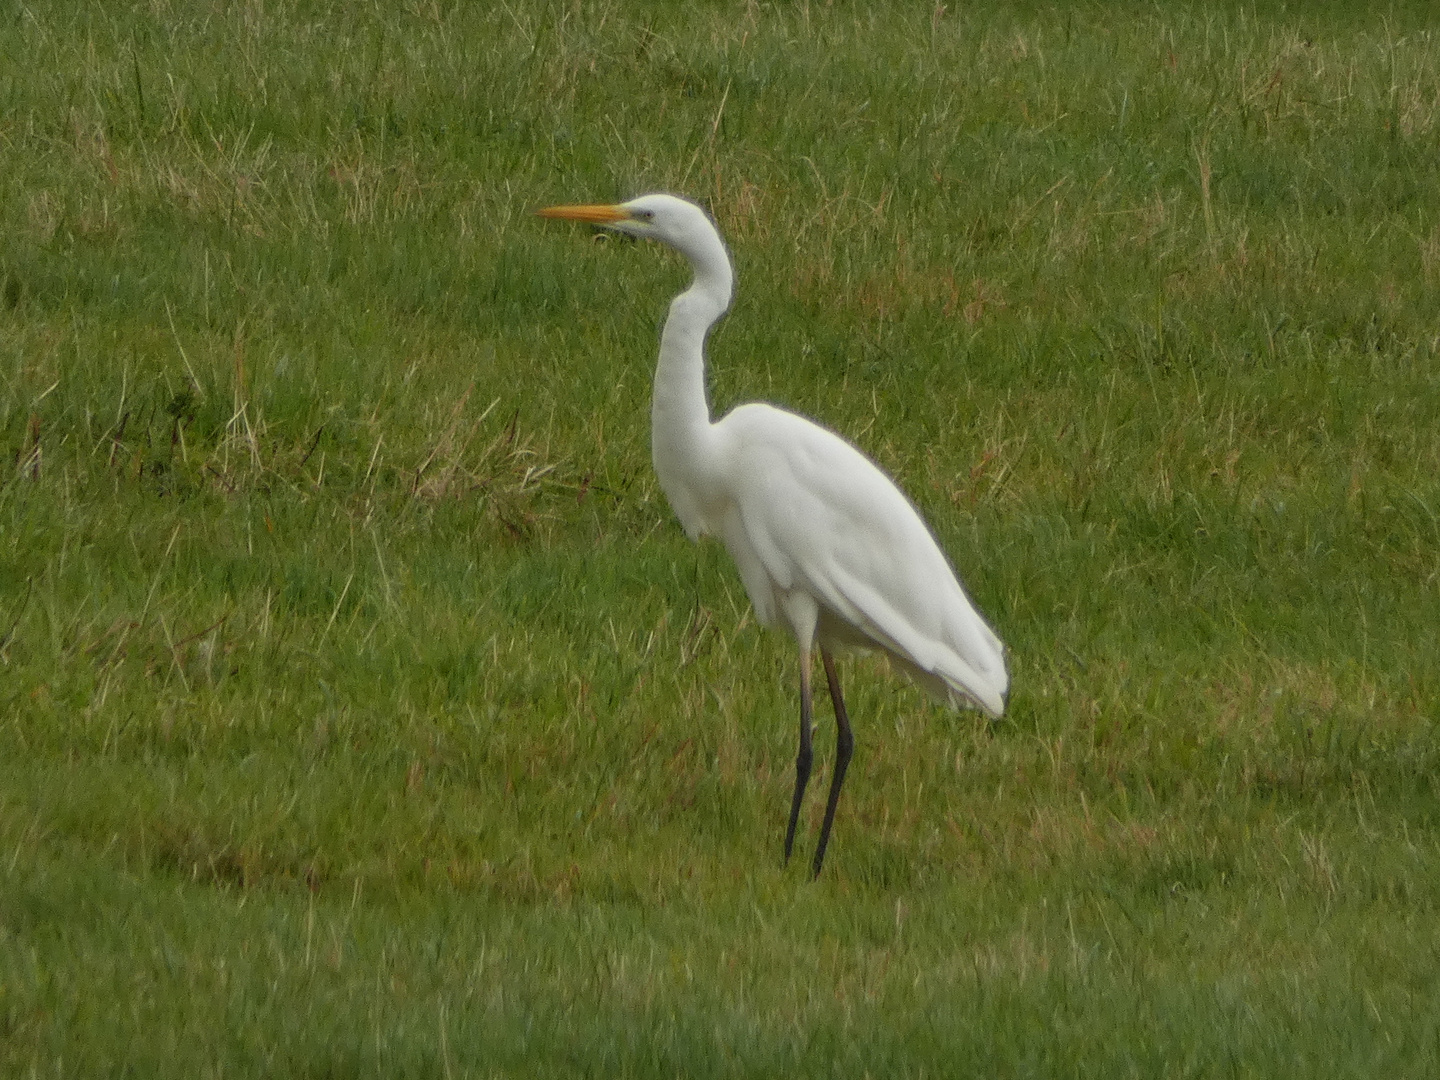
(804, 757)
(844, 747)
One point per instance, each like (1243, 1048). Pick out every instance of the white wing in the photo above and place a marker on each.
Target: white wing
(806, 511)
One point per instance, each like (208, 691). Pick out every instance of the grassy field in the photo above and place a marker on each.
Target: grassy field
(364, 711)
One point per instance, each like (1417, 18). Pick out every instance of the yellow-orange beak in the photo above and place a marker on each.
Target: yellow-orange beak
(596, 215)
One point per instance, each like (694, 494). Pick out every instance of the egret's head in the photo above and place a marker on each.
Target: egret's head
(667, 218)
(676, 222)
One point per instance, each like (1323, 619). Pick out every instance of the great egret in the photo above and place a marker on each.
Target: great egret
(824, 541)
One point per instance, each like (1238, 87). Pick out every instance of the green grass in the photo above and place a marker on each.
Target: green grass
(364, 712)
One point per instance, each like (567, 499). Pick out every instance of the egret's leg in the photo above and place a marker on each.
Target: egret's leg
(804, 757)
(844, 747)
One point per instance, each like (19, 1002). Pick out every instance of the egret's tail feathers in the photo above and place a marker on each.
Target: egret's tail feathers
(988, 699)
(975, 669)
(960, 690)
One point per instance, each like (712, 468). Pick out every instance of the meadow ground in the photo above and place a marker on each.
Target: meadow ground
(364, 712)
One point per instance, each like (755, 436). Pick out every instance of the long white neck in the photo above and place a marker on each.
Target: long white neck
(680, 412)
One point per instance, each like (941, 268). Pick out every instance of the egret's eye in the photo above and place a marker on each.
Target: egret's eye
(645, 215)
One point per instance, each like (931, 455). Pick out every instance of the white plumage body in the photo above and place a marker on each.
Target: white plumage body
(806, 515)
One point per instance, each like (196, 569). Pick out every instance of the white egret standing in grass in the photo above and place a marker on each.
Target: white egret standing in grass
(825, 542)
